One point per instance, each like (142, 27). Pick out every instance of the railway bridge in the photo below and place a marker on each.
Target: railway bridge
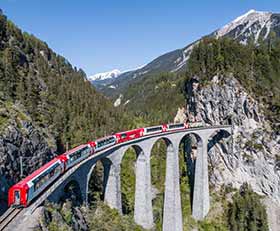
(143, 212)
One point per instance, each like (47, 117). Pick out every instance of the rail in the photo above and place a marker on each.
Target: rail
(8, 216)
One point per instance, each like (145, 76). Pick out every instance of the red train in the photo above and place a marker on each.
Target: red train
(22, 193)
(27, 189)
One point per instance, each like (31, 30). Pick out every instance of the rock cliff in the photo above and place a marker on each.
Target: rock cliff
(253, 154)
(20, 138)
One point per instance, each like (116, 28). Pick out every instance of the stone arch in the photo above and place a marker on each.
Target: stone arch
(169, 144)
(187, 140)
(130, 154)
(72, 191)
(218, 143)
(137, 148)
(104, 163)
(196, 135)
(190, 144)
(160, 148)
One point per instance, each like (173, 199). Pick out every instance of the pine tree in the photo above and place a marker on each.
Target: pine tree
(246, 212)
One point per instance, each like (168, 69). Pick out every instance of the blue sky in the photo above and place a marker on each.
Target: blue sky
(100, 35)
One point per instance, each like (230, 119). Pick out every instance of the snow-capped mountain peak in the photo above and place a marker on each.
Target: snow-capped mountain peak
(250, 23)
(253, 26)
(105, 75)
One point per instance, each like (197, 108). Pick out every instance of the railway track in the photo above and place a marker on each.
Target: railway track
(8, 216)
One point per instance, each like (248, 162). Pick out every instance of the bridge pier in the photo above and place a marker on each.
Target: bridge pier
(201, 198)
(143, 210)
(172, 215)
(88, 179)
(83, 188)
(112, 185)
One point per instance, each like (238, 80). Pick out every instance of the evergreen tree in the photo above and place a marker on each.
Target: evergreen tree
(246, 212)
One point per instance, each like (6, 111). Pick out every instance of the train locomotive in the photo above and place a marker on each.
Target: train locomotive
(25, 191)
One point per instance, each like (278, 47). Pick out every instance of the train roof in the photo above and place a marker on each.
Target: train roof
(155, 126)
(45, 166)
(37, 172)
(132, 130)
(106, 137)
(75, 149)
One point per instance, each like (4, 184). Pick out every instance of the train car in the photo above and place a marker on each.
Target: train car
(177, 126)
(154, 129)
(196, 124)
(76, 155)
(104, 142)
(129, 135)
(22, 193)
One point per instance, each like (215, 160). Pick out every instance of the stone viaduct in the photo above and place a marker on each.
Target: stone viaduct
(143, 212)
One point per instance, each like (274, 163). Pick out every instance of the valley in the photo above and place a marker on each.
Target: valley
(229, 77)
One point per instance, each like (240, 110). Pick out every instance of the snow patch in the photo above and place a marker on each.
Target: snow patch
(134, 69)
(42, 53)
(118, 101)
(261, 19)
(268, 27)
(126, 102)
(105, 75)
(186, 55)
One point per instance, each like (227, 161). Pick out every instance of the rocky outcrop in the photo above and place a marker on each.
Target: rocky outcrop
(20, 138)
(180, 116)
(253, 156)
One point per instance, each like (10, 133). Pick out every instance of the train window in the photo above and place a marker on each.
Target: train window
(172, 126)
(52, 172)
(154, 129)
(76, 155)
(85, 151)
(123, 135)
(105, 142)
(17, 196)
(42, 179)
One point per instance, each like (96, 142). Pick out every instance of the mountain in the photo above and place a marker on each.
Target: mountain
(46, 103)
(226, 83)
(104, 78)
(253, 26)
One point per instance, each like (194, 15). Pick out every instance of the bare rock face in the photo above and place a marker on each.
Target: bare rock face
(20, 138)
(253, 156)
(273, 211)
(180, 116)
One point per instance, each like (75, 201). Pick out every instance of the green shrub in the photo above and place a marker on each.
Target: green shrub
(246, 212)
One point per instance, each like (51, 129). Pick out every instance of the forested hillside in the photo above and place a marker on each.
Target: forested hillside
(155, 99)
(46, 106)
(257, 67)
(55, 94)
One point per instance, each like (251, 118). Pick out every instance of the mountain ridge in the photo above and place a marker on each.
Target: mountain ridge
(256, 25)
